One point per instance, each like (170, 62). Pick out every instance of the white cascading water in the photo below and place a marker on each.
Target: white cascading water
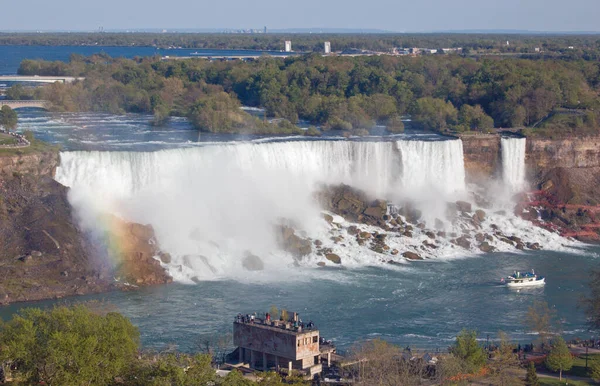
(221, 201)
(211, 205)
(435, 166)
(513, 163)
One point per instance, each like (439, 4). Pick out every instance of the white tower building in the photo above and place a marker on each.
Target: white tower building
(328, 47)
(288, 46)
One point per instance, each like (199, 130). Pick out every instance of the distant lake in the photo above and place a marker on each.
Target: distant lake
(11, 56)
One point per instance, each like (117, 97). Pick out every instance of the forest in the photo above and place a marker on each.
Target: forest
(442, 93)
(586, 46)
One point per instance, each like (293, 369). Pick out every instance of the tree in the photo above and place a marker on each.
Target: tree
(69, 345)
(8, 118)
(381, 363)
(559, 358)
(474, 118)
(592, 303)
(434, 114)
(273, 311)
(395, 125)
(467, 349)
(531, 379)
(541, 319)
(216, 345)
(595, 369)
(504, 360)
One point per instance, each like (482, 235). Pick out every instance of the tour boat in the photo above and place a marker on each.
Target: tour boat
(524, 279)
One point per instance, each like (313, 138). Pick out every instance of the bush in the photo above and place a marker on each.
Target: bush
(69, 345)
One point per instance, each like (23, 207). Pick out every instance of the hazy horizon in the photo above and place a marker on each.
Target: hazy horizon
(385, 15)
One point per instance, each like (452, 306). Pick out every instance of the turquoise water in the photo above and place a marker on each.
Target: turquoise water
(422, 304)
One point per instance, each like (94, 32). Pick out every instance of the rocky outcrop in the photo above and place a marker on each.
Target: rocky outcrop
(354, 205)
(43, 254)
(252, 262)
(27, 162)
(135, 253)
(292, 243)
(566, 172)
(482, 156)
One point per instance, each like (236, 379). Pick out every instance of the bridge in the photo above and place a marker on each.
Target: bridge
(39, 78)
(24, 103)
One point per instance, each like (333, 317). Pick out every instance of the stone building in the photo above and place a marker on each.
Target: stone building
(283, 345)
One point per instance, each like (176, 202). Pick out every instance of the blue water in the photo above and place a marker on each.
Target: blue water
(11, 56)
(135, 132)
(422, 305)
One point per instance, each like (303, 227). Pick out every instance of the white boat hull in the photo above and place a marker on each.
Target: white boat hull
(532, 283)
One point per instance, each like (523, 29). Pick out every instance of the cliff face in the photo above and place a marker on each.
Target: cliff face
(544, 155)
(481, 156)
(43, 163)
(564, 175)
(43, 254)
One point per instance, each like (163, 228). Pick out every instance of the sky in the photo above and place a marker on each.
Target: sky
(391, 15)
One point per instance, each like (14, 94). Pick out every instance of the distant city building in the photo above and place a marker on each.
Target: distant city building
(507, 43)
(327, 47)
(537, 49)
(288, 46)
(265, 30)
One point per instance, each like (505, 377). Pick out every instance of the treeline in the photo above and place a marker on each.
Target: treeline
(583, 46)
(440, 92)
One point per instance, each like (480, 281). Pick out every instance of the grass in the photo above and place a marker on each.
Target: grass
(578, 368)
(6, 139)
(37, 146)
(553, 382)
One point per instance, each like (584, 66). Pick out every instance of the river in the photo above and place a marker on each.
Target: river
(11, 56)
(422, 304)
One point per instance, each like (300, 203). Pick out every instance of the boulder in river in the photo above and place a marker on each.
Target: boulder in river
(333, 258)
(252, 262)
(411, 256)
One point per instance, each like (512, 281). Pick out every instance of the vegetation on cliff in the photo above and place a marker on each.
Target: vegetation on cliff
(442, 93)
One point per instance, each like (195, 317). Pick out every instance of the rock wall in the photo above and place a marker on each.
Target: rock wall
(43, 163)
(543, 154)
(482, 156)
(43, 254)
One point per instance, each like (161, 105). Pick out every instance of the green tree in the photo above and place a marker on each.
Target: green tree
(434, 114)
(592, 303)
(595, 370)
(8, 118)
(69, 345)
(395, 125)
(467, 349)
(531, 379)
(559, 358)
(541, 319)
(474, 118)
(236, 378)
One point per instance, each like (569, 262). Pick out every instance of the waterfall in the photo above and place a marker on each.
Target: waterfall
(513, 163)
(219, 201)
(432, 165)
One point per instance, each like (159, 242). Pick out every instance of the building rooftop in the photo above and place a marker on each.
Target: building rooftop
(288, 327)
